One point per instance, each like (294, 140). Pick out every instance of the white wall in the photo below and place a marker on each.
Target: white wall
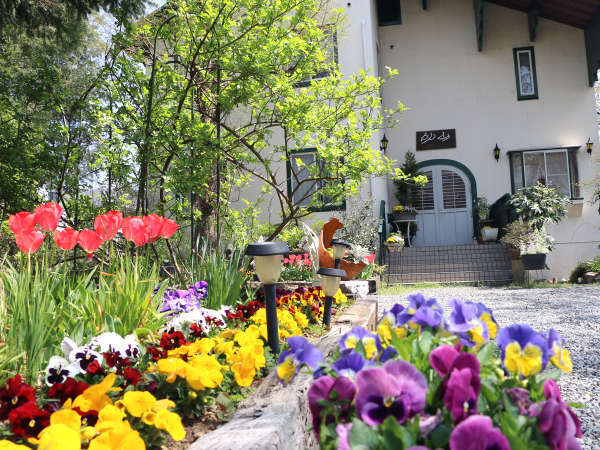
(447, 83)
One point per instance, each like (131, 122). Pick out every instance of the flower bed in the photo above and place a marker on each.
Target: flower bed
(133, 392)
(425, 381)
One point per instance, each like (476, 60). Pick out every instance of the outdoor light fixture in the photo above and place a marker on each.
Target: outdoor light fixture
(383, 144)
(339, 249)
(267, 263)
(330, 283)
(497, 152)
(589, 144)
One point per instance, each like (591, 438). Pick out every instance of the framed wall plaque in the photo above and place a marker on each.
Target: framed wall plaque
(436, 139)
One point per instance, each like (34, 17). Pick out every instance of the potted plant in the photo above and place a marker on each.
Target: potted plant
(402, 212)
(515, 233)
(489, 234)
(395, 243)
(534, 248)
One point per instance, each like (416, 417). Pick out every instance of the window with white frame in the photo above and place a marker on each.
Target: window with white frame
(551, 167)
(329, 46)
(301, 185)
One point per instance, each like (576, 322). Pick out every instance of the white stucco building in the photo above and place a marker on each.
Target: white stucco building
(516, 73)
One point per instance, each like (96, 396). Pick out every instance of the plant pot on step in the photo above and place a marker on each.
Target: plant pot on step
(395, 248)
(534, 261)
(404, 215)
(489, 234)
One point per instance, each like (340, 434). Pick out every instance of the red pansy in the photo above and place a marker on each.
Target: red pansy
(20, 222)
(156, 353)
(47, 215)
(29, 241)
(28, 420)
(135, 230)
(94, 368)
(170, 341)
(107, 224)
(67, 390)
(66, 238)
(169, 227)
(132, 376)
(90, 241)
(154, 224)
(88, 418)
(13, 395)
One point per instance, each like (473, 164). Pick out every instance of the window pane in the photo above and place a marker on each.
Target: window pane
(516, 167)
(558, 172)
(574, 174)
(304, 193)
(389, 12)
(535, 169)
(422, 197)
(453, 190)
(525, 73)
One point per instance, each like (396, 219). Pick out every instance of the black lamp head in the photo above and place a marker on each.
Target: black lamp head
(267, 248)
(339, 242)
(328, 272)
(590, 145)
(384, 143)
(497, 152)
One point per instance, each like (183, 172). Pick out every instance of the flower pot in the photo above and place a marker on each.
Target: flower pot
(514, 253)
(404, 215)
(395, 248)
(535, 261)
(489, 234)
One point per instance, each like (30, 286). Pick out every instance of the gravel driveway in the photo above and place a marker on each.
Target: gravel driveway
(573, 311)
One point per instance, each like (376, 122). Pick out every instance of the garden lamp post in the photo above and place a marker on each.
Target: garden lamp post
(339, 248)
(267, 263)
(331, 283)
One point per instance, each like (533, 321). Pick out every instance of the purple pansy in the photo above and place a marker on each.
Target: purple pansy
(350, 365)
(301, 352)
(516, 338)
(343, 433)
(184, 300)
(521, 398)
(478, 433)
(339, 391)
(396, 389)
(557, 422)
(465, 318)
(370, 341)
(421, 311)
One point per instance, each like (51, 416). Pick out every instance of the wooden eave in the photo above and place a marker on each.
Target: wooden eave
(577, 13)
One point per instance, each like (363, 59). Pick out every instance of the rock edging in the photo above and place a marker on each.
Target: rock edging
(277, 417)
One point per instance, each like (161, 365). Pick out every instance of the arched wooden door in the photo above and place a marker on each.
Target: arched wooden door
(444, 208)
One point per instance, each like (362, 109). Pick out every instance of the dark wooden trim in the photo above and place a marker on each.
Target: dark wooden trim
(592, 48)
(533, 18)
(425, 5)
(478, 6)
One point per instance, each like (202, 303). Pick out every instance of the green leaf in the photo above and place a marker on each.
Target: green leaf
(362, 436)
(440, 436)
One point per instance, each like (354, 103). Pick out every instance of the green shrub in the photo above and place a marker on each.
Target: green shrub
(539, 204)
(581, 268)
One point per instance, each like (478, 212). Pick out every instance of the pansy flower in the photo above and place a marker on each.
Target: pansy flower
(559, 356)
(82, 357)
(28, 420)
(421, 312)
(523, 351)
(396, 389)
(340, 391)
(370, 341)
(350, 365)
(301, 352)
(59, 369)
(389, 323)
(465, 321)
(478, 433)
(14, 394)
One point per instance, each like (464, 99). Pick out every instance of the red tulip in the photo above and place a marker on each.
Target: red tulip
(47, 215)
(89, 241)
(66, 238)
(135, 230)
(21, 222)
(169, 227)
(107, 224)
(29, 241)
(154, 224)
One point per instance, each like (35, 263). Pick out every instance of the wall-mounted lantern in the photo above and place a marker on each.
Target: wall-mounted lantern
(590, 145)
(383, 144)
(497, 152)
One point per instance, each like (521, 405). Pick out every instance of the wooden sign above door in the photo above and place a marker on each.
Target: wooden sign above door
(436, 139)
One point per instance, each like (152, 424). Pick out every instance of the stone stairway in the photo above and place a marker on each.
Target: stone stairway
(470, 263)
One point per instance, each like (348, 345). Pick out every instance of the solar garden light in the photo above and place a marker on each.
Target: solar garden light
(267, 263)
(339, 249)
(330, 283)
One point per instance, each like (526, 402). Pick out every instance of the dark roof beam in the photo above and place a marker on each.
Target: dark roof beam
(533, 18)
(592, 48)
(478, 5)
(424, 4)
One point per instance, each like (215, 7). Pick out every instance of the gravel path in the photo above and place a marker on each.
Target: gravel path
(573, 311)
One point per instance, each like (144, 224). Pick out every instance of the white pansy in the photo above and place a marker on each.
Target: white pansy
(59, 369)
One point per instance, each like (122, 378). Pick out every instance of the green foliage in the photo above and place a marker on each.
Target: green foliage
(405, 180)
(482, 208)
(371, 271)
(539, 204)
(292, 235)
(360, 226)
(583, 267)
(226, 276)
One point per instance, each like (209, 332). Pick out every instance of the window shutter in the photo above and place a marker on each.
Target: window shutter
(453, 190)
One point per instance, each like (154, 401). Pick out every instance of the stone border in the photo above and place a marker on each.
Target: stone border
(277, 417)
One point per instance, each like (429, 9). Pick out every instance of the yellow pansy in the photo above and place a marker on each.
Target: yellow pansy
(59, 437)
(562, 359)
(121, 437)
(171, 423)
(287, 369)
(109, 417)
(203, 371)
(137, 402)
(385, 332)
(88, 433)
(228, 333)
(9, 445)
(94, 398)
(301, 318)
(527, 361)
(66, 417)
(476, 334)
(492, 326)
(259, 317)
(171, 367)
(244, 367)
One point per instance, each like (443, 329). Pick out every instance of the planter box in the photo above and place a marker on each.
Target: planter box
(489, 234)
(395, 248)
(404, 215)
(536, 261)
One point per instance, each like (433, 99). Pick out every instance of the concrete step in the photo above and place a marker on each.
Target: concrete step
(497, 276)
